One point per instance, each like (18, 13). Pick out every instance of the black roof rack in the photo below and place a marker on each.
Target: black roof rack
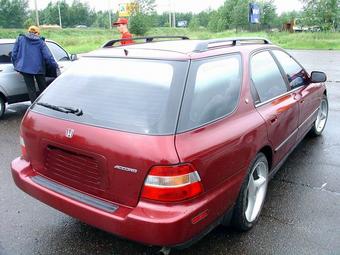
(147, 39)
(205, 45)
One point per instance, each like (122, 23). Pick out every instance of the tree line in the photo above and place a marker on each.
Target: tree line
(233, 14)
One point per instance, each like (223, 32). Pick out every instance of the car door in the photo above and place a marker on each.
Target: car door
(60, 55)
(275, 103)
(307, 95)
(12, 83)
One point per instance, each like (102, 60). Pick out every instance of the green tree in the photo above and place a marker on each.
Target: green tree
(194, 24)
(239, 15)
(204, 17)
(139, 24)
(324, 13)
(77, 13)
(268, 13)
(13, 13)
(142, 19)
(101, 19)
(146, 6)
(80, 14)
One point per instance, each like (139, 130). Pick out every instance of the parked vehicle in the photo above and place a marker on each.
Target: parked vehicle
(12, 85)
(160, 142)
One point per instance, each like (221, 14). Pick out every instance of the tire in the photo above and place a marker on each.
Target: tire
(321, 120)
(2, 106)
(252, 195)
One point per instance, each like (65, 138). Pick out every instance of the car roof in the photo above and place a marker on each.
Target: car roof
(5, 41)
(178, 50)
(181, 49)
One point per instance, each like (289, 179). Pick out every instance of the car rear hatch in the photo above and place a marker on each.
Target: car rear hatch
(104, 123)
(108, 164)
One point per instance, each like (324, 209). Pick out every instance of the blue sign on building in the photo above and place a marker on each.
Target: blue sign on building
(254, 13)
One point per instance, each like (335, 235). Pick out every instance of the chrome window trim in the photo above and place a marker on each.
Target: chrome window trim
(277, 97)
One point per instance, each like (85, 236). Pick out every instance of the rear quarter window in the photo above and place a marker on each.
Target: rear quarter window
(212, 91)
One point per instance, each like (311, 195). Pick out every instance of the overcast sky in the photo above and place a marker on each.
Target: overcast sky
(178, 5)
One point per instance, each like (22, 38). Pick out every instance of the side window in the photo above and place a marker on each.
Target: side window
(296, 75)
(58, 53)
(266, 76)
(5, 53)
(212, 91)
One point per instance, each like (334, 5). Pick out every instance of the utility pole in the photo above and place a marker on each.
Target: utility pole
(61, 26)
(36, 13)
(174, 14)
(170, 13)
(110, 18)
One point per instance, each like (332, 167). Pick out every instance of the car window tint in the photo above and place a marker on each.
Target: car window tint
(296, 75)
(266, 76)
(212, 91)
(139, 96)
(5, 53)
(58, 53)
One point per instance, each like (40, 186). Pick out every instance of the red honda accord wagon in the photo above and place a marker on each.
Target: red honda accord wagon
(161, 141)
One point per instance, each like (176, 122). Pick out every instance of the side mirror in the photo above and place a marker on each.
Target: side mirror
(317, 77)
(73, 57)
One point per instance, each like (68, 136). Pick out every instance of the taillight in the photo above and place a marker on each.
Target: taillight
(172, 183)
(23, 148)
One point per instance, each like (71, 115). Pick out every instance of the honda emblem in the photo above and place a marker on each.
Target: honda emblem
(69, 133)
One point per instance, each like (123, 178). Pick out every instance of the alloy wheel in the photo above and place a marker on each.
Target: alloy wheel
(256, 191)
(322, 116)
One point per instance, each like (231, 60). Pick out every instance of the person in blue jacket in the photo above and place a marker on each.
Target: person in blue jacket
(31, 57)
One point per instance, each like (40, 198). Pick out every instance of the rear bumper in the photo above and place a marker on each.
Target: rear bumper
(147, 223)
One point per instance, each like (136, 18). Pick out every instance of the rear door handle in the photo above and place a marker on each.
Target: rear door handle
(273, 119)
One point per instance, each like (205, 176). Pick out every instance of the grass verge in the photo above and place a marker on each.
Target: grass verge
(84, 40)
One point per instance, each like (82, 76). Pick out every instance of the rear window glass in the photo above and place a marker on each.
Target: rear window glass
(212, 91)
(139, 96)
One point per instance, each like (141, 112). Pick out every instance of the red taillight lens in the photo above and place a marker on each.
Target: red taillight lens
(23, 148)
(172, 183)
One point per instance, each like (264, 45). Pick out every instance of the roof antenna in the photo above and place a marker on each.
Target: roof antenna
(126, 52)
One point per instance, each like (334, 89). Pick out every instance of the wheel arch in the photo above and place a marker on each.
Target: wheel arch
(268, 152)
(2, 95)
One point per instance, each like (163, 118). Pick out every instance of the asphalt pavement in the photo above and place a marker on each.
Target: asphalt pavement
(301, 214)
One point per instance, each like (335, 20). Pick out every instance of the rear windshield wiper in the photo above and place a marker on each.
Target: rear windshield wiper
(63, 109)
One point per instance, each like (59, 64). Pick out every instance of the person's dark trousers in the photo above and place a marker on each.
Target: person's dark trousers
(30, 84)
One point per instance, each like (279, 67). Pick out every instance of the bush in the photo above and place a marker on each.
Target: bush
(139, 24)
